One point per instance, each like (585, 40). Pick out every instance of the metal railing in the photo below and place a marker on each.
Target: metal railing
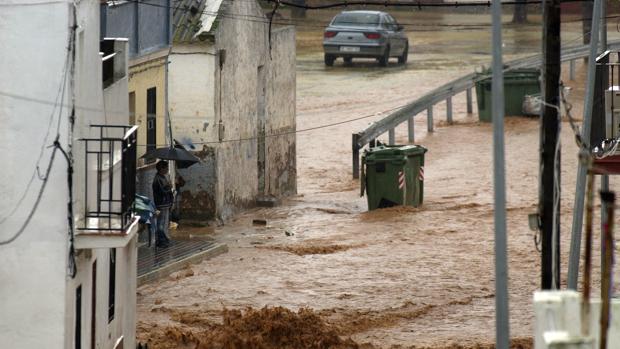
(113, 160)
(446, 92)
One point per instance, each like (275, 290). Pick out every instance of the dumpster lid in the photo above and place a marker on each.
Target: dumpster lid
(395, 150)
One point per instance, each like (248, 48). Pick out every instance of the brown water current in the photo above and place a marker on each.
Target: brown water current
(325, 273)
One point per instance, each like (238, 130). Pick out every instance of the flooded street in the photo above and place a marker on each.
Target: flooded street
(398, 277)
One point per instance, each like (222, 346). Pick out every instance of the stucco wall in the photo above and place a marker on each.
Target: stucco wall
(191, 82)
(202, 97)
(281, 160)
(245, 43)
(197, 197)
(31, 318)
(143, 75)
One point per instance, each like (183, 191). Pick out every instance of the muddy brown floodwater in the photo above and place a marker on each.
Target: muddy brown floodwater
(325, 273)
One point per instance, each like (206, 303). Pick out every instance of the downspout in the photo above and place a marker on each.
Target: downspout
(222, 60)
(169, 139)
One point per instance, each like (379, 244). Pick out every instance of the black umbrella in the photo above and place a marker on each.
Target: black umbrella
(182, 157)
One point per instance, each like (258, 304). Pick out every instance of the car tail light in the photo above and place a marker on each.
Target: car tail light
(330, 34)
(372, 35)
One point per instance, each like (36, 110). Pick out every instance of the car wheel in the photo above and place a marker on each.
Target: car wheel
(402, 59)
(383, 60)
(329, 60)
(348, 60)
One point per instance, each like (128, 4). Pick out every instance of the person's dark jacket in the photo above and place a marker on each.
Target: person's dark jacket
(162, 191)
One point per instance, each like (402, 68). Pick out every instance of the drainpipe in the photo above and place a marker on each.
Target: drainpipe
(166, 106)
(222, 59)
(169, 138)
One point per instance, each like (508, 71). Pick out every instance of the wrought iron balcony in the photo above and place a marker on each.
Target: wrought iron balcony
(109, 187)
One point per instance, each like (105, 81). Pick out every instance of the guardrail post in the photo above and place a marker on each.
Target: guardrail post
(391, 137)
(449, 110)
(571, 69)
(356, 155)
(410, 129)
(429, 119)
(469, 101)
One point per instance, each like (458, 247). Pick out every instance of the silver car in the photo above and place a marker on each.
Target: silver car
(365, 34)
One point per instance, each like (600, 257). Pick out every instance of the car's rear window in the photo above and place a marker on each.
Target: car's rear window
(357, 19)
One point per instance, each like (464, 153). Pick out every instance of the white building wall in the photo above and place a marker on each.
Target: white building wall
(191, 99)
(37, 297)
(33, 267)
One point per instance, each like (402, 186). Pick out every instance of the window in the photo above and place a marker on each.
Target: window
(151, 118)
(112, 285)
(355, 19)
(93, 308)
(78, 318)
(390, 23)
(132, 108)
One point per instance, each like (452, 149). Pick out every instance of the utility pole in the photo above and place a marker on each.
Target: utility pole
(549, 192)
(502, 324)
(575, 243)
(605, 83)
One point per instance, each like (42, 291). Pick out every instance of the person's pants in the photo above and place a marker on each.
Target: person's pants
(163, 222)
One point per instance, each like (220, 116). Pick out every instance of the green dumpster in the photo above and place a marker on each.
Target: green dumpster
(393, 175)
(517, 84)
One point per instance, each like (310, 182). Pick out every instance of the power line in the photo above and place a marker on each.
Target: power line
(33, 210)
(35, 3)
(414, 4)
(263, 19)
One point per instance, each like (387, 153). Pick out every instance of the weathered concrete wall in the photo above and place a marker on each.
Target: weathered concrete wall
(191, 82)
(192, 111)
(202, 97)
(197, 197)
(246, 46)
(281, 159)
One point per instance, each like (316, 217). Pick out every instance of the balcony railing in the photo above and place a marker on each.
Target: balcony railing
(110, 178)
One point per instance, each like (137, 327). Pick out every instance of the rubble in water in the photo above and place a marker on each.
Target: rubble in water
(267, 328)
(314, 249)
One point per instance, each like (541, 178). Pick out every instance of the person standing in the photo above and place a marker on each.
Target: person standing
(163, 197)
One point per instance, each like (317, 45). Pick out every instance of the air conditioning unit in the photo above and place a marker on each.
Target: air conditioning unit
(612, 112)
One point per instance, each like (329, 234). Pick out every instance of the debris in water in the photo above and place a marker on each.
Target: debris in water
(314, 249)
(267, 328)
(259, 222)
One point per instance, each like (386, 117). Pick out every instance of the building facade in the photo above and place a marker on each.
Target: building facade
(67, 235)
(147, 25)
(232, 101)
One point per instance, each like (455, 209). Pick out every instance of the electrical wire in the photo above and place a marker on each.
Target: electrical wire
(37, 3)
(262, 19)
(71, 263)
(34, 208)
(56, 146)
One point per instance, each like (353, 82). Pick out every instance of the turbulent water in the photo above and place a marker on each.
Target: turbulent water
(397, 277)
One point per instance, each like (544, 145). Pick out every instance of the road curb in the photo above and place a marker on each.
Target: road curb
(211, 252)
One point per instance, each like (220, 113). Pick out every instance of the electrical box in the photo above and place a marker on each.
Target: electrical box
(612, 112)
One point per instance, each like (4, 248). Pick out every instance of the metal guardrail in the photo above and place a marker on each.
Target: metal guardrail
(446, 92)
